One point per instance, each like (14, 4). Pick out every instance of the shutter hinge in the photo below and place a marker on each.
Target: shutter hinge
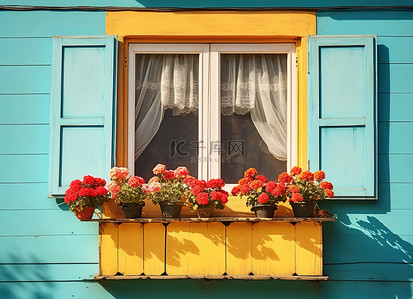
(308, 62)
(126, 62)
(296, 61)
(308, 165)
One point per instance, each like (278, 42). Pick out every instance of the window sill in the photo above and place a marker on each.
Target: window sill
(224, 220)
(209, 277)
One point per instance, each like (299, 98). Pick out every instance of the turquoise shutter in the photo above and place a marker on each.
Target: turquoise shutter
(342, 107)
(82, 109)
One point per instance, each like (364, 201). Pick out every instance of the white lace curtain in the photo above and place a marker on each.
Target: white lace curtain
(162, 82)
(255, 83)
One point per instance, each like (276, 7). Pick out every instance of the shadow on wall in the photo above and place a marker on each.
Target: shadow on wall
(16, 279)
(364, 249)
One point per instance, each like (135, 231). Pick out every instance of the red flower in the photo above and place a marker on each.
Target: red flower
(202, 198)
(294, 189)
(295, 170)
(92, 192)
(279, 190)
(76, 185)
(296, 197)
(236, 190)
(224, 196)
(215, 195)
(197, 189)
(319, 175)
(99, 182)
(181, 172)
(70, 195)
(215, 183)
(329, 192)
(263, 198)
(245, 181)
(189, 180)
(256, 184)
(270, 186)
(245, 189)
(102, 190)
(160, 168)
(326, 185)
(250, 173)
(307, 176)
(285, 178)
(83, 192)
(169, 174)
(262, 178)
(88, 180)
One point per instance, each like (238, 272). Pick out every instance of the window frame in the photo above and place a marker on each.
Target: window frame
(209, 110)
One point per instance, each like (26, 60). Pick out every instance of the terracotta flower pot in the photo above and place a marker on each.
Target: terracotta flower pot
(264, 211)
(132, 211)
(205, 212)
(86, 213)
(171, 209)
(303, 208)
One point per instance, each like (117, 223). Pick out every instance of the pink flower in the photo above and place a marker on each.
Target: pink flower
(154, 187)
(181, 172)
(153, 180)
(118, 173)
(160, 168)
(136, 181)
(263, 198)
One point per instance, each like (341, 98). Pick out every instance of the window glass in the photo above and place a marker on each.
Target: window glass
(166, 111)
(253, 96)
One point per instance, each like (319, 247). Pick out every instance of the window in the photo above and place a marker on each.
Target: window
(217, 109)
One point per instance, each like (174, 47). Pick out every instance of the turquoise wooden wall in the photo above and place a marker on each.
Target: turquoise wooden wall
(45, 252)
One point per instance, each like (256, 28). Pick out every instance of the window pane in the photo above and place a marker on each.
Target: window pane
(253, 97)
(166, 111)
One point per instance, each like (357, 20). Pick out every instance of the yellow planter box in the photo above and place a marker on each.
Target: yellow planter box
(226, 247)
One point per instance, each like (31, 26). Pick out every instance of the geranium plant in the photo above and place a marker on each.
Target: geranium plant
(90, 192)
(167, 185)
(305, 186)
(206, 194)
(259, 190)
(125, 189)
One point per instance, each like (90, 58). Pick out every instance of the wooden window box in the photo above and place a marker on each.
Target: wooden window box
(211, 248)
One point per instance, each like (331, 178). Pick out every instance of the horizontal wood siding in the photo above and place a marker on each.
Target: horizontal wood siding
(373, 241)
(45, 251)
(40, 240)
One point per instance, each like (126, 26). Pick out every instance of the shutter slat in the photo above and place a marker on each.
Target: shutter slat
(342, 113)
(82, 109)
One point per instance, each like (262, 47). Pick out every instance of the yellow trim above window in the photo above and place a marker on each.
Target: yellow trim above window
(212, 26)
